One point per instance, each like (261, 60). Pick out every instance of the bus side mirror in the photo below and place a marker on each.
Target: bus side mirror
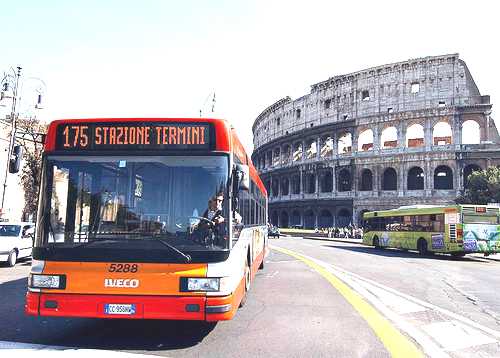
(242, 177)
(15, 160)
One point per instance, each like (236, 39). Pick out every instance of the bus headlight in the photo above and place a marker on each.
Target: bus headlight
(200, 284)
(47, 281)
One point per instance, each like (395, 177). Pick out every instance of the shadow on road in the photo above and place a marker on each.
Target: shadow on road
(116, 334)
(404, 254)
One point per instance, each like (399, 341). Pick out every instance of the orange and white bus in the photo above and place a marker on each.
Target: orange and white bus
(146, 218)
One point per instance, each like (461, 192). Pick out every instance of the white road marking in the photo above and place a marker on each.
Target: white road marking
(43, 351)
(454, 335)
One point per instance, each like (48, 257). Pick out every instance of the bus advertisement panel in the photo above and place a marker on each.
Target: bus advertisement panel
(140, 218)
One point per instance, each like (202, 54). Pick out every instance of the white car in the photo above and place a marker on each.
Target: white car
(16, 241)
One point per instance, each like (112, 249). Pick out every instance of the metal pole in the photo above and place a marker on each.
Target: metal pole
(12, 137)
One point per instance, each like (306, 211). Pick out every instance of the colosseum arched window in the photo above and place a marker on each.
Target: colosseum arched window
(311, 149)
(325, 219)
(274, 218)
(285, 184)
(415, 179)
(297, 152)
(443, 178)
(441, 134)
(365, 141)
(326, 183)
(389, 138)
(284, 219)
(471, 132)
(390, 179)
(344, 217)
(286, 154)
(366, 180)
(415, 136)
(310, 183)
(309, 220)
(326, 147)
(296, 218)
(344, 180)
(275, 187)
(296, 184)
(345, 143)
(468, 170)
(277, 157)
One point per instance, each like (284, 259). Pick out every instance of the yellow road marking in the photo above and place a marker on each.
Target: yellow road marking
(396, 343)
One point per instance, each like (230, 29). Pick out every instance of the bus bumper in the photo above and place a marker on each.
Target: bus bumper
(146, 307)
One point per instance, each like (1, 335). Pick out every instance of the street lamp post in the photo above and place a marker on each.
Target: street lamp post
(10, 84)
(12, 80)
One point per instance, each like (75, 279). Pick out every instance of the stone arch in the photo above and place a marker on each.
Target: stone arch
(275, 187)
(389, 138)
(365, 140)
(285, 185)
(344, 180)
(284, 222)
(274, 218)
(389, 179)
(310, 182)
(344, 217)
(326, 182)
(326, 146)
(366, 180)
(297, 151)
(325, 219)
(471, 132)
(415, 136)
(441, 133)
(345, 143)
(468, 170)
(415, 179)
(309, 219)
(296, 219)
(311, 149)
(287, 149)
(443, 178)
(276, 156)
(296, 184)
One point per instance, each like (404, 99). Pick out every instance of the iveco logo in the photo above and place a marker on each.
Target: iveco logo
(120, 282)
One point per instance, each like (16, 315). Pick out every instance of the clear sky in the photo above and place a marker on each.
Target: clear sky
(163, 58)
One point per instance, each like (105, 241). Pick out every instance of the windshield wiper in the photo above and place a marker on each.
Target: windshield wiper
(185, 256)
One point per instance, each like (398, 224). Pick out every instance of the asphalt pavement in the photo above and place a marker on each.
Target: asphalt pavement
(444, 306)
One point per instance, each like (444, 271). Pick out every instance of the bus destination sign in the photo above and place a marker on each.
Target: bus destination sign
(134, 135)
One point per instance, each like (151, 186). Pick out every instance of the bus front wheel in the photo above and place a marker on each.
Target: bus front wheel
(422, 247)
(247, 285)
(376, 243)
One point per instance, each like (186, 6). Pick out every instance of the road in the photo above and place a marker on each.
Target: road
(314, 298)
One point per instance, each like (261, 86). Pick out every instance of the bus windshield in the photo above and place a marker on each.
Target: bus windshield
(155, 203)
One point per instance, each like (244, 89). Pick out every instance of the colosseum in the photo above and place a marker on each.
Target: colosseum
(404, 133)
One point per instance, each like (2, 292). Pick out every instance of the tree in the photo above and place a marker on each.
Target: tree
(484, 187)
(28, 135)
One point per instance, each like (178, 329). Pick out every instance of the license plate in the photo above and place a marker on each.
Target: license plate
(119, 309)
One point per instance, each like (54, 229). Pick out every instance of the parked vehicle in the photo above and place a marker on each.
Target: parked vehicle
(16, 241)
(273, 231)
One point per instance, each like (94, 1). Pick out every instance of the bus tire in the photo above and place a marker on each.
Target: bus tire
(422, 247)
(458, 254)
(11, 261)
(247, 285)
(376, 243)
